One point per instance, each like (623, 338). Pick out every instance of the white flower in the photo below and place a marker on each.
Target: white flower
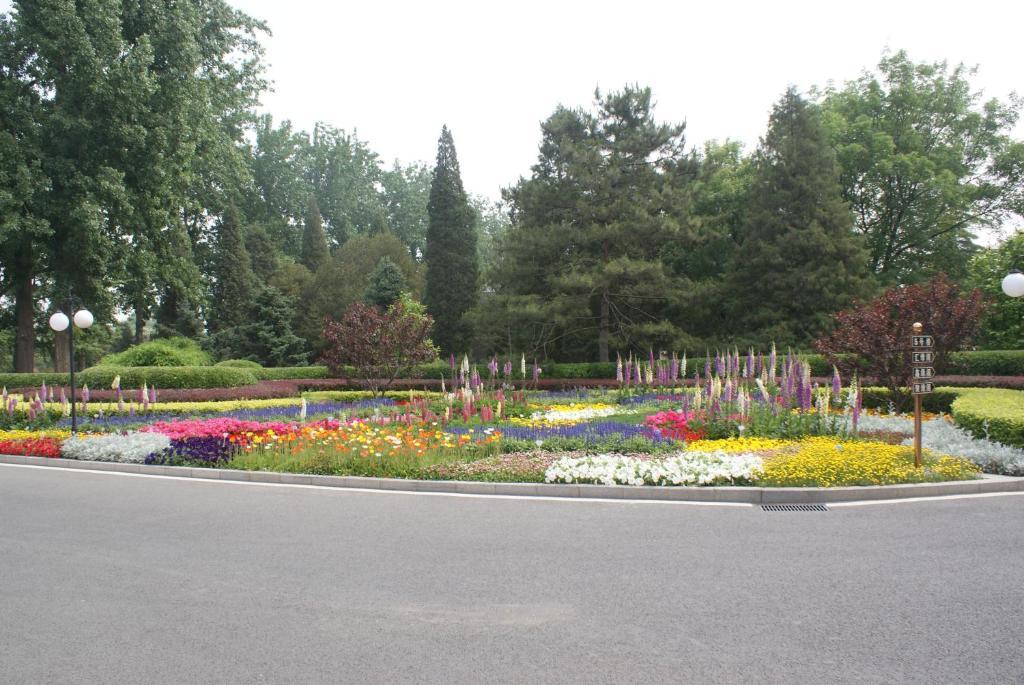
(684, 468)
(131, 448)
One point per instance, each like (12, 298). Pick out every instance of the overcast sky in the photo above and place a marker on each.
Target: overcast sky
(396, 71)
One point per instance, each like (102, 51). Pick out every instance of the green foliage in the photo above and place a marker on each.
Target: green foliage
(992, 413)
(315, 252)
(406, 194)
(924, 162)
(988, 363)
(291, 373)
(265, 334)
(799, 262)
(161, 352)
(235, 283)
(452, 280)
(580, 270)
(386, 284)
(346, 276)
(936, 402)
(167, 376)
(1003, 323)
(241, 364)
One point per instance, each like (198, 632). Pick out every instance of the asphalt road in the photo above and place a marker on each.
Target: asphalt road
(120, 579)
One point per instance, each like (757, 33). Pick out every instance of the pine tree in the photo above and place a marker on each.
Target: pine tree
(232, 269)
(800, 261)
(451, 251)
(266, 336)
(314, 242)
(386, 284)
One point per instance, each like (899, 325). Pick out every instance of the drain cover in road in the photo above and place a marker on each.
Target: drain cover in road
(794, 507)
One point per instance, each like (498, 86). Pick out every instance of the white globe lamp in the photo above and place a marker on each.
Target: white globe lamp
(59, 322)
(83, 318)
(1013, 284)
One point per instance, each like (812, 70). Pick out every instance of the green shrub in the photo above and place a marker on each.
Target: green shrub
(992, 413)
(987, 363)
(240, 364)
(167, 376)
(939, 401)
(161, 352)
(32, 380)
(279, 373)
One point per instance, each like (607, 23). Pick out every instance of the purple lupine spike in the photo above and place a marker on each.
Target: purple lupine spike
(508, 368)
(492, 368)
(707, 364)
(751, 360)
(618, 369)
(628, 371)
(152, 394)
(85, 394)
(727, 391)
(651, 356)
(673, 368)
(837, 383)
(639, 374)
(719, 365)
(451, 361)
(42, 389)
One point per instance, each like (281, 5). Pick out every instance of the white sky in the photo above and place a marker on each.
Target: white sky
(396, 71)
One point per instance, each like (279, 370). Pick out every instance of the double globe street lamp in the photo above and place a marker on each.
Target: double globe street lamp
(60, 322)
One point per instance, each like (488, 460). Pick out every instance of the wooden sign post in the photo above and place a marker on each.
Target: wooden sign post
(922, 358)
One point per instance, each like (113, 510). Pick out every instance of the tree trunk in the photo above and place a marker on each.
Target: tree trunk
(24, 314)
(62, 351)
(140, 321)
(602, 334)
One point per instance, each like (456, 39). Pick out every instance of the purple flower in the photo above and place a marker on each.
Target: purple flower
(837, 384)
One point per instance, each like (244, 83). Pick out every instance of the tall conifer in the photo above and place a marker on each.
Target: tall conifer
(451, 251)
(799, 261)
(235, 283)
(314, 241)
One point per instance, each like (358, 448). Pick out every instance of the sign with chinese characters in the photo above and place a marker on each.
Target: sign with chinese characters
(925, 341)
(923, 387)
(923, 372)
(923, 357)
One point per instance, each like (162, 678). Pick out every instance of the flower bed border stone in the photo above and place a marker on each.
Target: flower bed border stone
(736, 495)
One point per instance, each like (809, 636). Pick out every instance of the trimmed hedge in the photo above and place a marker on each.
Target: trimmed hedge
(167, 376)
(240, 364)
(988, 363)
(284, 373)
(32, 380)
(939, 401)
(992, 413)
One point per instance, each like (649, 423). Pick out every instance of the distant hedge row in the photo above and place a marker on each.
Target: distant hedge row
(235, 373)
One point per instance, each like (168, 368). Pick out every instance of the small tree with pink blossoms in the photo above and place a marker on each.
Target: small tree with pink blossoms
(873, 340)
(379, 344)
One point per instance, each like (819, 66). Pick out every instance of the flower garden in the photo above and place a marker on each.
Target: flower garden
(739, 420)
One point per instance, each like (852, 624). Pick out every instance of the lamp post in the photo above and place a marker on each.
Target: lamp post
(1013, 283)
(59, 322)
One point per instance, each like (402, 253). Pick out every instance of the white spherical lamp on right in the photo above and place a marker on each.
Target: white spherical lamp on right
(1013, 284)
(83, 318)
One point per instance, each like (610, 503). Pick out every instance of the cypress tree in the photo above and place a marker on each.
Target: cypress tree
(314, 241)
(232, 269)
(800, 261)
(451, 251)
(386, 284)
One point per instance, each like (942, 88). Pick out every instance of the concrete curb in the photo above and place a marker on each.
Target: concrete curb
(737, 495)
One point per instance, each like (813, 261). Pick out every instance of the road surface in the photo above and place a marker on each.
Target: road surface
(110, 578)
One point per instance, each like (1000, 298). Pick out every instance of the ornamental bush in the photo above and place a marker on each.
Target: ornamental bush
(992, 413)
(240, 364)
(160, 352)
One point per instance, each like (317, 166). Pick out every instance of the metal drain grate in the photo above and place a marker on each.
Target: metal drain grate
(794, 507)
